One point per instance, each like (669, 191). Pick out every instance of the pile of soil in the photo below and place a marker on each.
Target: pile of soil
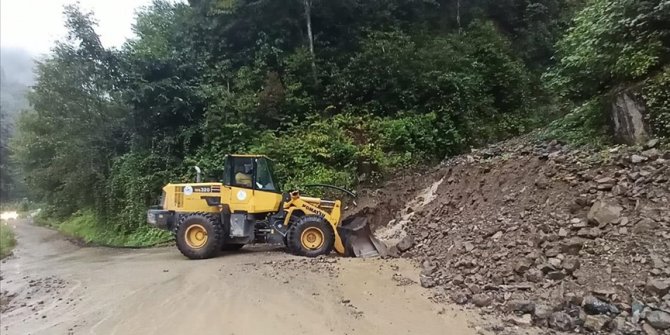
(570, 239)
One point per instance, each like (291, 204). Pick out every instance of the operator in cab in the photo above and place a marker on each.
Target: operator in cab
(243, 174)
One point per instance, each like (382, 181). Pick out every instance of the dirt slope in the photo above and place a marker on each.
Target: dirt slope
(568, 239)
(51, 286)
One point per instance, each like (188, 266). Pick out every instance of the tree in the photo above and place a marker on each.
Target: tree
(611, 42)
(66, 141)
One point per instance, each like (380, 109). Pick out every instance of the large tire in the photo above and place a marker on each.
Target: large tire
(311, 236)
(199, 235)
(231, 247)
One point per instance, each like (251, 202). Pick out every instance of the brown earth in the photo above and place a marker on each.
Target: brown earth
(51, 286)
(569, 239)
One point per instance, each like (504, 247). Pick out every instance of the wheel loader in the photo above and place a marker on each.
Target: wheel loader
(247, 206)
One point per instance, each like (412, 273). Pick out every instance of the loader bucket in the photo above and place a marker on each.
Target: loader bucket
(358, 239)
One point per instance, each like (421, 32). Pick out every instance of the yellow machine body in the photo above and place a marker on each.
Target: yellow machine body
(247, 206)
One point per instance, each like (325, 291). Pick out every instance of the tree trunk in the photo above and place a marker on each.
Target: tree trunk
(628, 111)
(310, 37)
(458, 15)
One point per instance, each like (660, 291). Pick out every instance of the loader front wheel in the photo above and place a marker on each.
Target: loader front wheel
(311, 236)
(199, 236)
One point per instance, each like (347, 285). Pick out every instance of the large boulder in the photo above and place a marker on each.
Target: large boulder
(659, 319)
(405, 244)
(604, 212)
(561, 321)
(628, 117)
(658, 287)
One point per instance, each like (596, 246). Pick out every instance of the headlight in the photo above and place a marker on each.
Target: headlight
(151, 218)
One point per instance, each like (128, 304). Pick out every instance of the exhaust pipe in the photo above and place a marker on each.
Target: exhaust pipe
(197, 176)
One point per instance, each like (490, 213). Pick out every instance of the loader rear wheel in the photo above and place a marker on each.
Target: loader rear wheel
(199, 236)
(311, 236)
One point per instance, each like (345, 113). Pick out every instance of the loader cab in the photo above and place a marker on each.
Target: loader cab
(250, 172)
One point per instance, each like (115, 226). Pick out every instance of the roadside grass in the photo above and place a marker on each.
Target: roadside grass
(7, 240)
(86, 227)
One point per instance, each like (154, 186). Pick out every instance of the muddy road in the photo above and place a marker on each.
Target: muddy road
(51, 286)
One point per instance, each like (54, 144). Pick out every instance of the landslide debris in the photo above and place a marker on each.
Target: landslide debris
(570, 239)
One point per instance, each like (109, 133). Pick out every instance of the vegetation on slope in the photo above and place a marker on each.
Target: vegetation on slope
(376, 87)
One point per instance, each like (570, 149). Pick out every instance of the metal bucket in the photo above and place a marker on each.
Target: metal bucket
(358, 239)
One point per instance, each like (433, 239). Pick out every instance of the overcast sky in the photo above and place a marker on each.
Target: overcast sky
(33, 25)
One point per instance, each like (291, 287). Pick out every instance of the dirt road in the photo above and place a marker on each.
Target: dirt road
(55, 287)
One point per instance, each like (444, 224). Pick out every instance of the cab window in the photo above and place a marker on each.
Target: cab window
(264, 180)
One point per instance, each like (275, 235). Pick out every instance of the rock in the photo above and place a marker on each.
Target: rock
(393, 252)
(604, 293)
(570, 265)
(542, 312)
(542, 183)
(556, 275)
(481, 300)
(595, 306)
(468, 246)
(405, 244)
(627, 113)
(652, 154)
(522, 306)
(657, 287)
(553, 252)
(590, 233)
(524, 320)
(595, 322)
(457, 280)
(658, 319)
(523, 265)
(572, 246)
(637, 159)
(618, 323)
(648, 329)
(460, 298)
(651, 143)
(604, 212)
(427, 282)
(605, 187)
(605, 180)
(497, 236)
(546, 268)
(555, 262)
(474, 289)
(562, 232)
(579, 223)
(645, 225)
(561, 321)
(534, 275)
(428, 270)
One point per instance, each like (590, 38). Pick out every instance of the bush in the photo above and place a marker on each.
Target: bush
(7, 240)
(85, 225)
(656, 93)
(584, 125)
(134, 184)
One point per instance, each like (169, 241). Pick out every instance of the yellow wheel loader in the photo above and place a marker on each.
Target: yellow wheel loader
(247, 206)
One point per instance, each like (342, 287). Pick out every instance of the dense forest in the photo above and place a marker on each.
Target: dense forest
(341, 92)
